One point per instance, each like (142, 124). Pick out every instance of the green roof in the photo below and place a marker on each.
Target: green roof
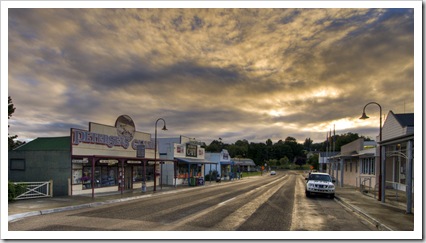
(46, 144)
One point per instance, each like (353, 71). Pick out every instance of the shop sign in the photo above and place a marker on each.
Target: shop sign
(134, 162)
(125, 130)
(80, 161)
(80, 136)
(140, 152)
(179, 149)
(108, 161)
(191, 150)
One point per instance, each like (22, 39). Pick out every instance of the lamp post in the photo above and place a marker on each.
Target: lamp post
(363, 117)
(155, 151)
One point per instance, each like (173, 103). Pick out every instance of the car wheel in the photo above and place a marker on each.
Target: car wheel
(308, 194)
(331, 196)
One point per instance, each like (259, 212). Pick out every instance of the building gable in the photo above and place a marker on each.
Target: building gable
(397, 125)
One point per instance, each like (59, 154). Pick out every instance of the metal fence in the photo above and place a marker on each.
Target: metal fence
(36, 189)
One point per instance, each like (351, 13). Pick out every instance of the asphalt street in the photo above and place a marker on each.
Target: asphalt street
(267, 203)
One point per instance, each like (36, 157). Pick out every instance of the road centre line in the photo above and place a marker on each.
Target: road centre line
(237, 218)
(269, 193)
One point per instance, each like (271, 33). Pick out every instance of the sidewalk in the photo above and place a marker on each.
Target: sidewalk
(386, 216)
(31, 207)
(390, 215)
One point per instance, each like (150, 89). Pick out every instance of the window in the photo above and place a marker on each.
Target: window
(17, 164)
(137, 173)
(368, 166)
(77, 173)
(104, 176)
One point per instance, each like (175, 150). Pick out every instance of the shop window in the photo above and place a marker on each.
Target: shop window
(137, 173)
(17, 164)
(195, 170)
(104, 176)
(149, 172)
(108, 176)
(182, 171)
(368, 166)
(77, 173)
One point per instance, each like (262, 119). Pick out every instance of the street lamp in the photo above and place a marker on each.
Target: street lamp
(363, 117)
(155, 151)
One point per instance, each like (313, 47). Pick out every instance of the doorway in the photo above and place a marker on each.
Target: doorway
(128, 172)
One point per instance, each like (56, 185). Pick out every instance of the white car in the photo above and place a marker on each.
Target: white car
(273, 172)
(320, 183)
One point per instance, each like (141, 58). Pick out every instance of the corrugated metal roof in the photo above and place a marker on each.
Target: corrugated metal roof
(46, 144)
(406, 119)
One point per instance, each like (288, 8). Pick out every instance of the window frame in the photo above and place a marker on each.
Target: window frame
(11, 167)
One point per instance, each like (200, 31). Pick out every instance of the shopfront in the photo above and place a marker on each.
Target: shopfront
(110, 158)
(190, 163)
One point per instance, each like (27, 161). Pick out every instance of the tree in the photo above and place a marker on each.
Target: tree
(308, 144)
(300, 161)
(290, 140)
(215, 146)
(314, 161)
(239, 149)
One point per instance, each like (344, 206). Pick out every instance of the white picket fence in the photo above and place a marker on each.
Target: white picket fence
(36, 189)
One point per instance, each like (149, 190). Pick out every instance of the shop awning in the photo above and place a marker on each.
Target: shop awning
(226, 162)
(194, 161)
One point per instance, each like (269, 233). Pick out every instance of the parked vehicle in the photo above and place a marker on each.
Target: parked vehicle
(319, 183)
(273, 172)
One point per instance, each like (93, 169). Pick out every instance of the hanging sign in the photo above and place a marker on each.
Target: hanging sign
(140, 152)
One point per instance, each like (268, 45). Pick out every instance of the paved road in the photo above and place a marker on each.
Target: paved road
(267, 203)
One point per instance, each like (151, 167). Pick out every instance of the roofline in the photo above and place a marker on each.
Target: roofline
(397, 139)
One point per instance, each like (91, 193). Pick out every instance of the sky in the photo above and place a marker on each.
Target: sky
(231, 73)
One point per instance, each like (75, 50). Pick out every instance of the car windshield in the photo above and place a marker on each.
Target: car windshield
(317, 177)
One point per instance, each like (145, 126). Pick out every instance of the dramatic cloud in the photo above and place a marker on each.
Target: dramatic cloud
(232, 73)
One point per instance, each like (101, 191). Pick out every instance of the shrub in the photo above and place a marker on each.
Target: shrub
(15, 190)
(213, 176)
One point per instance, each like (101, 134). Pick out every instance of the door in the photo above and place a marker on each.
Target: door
(128, 172)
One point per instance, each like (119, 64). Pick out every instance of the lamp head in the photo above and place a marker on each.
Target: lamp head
(164, 127)
(364, 116)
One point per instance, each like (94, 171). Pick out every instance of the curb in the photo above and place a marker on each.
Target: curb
(380, 226)
(88, 205)
(96, 204)
(73, 207)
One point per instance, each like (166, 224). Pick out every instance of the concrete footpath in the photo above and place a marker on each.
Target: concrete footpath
(386, 216)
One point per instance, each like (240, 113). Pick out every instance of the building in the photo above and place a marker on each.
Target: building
(222, 163)
(355, 164)
(358, 164)
(245, 164)
(43, 159)
(190, 161)
(398, 155)
(103, 158)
